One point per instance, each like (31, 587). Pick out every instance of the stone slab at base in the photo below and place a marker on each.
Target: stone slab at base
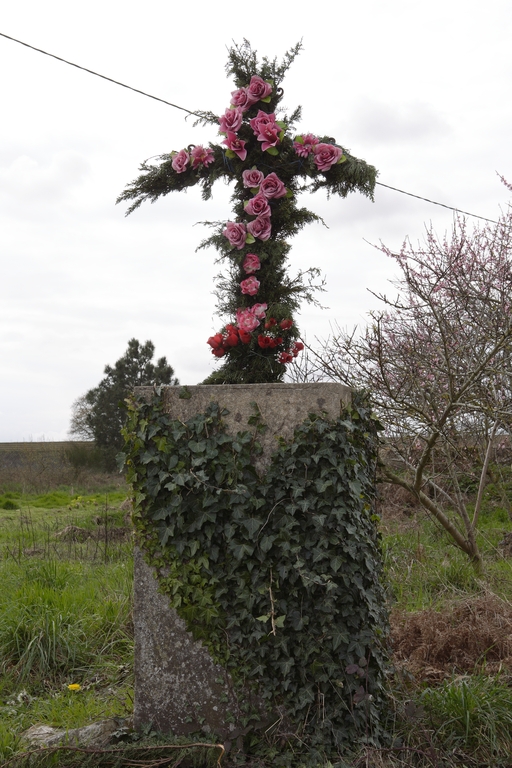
(178, 688)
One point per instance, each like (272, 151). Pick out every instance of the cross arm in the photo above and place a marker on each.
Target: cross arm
(351, 175)
(160, 178)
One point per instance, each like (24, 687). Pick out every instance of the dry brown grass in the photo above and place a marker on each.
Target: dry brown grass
(468, 635)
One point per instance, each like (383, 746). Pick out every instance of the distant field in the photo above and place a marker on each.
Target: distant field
(16, 454)
(37, 467)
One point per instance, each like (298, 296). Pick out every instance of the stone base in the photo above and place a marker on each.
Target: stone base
(178, 687)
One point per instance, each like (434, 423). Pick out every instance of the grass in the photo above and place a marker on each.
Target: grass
(65, 611)
(65, 618)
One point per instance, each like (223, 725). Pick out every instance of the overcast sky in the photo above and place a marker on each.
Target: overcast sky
(420, 90)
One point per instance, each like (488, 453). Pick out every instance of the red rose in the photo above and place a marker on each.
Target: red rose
(215, 341)
(264, 341)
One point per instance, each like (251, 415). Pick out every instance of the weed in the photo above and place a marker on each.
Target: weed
(472, 713)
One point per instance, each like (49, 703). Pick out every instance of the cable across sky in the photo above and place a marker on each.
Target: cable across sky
(191, 112)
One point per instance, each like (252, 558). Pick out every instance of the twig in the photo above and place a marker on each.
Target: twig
(98, 751)
(272, 603)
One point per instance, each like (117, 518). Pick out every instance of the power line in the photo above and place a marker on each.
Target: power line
(190, 112)
(451, 208)
(104, 77)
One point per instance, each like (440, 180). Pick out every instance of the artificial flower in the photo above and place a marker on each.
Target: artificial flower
(201, 156)
(258, 206)
(252, 178)
(272, 187)
(251, 263)
(180, 161)
(236, 234)
(250, 286)
(236, 145)
(259, 310)
(261, 119)
(231, 120)
(246, 320)
(240, 98)
(303, 145)
(326, 155)
(260, 227)
(258, 89)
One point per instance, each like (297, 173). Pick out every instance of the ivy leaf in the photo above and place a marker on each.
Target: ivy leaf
(253, 524)
(239, 550)
(339, 638)
(197, 446)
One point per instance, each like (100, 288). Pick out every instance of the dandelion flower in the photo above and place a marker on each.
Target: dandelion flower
(74, 687)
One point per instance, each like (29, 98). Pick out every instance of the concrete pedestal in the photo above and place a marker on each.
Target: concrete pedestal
(178, 688)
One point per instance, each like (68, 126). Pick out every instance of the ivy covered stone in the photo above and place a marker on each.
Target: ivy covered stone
(278, 575)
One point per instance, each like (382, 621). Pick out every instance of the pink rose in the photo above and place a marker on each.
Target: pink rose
(251, 263)
(260, 227)
(240, 98)
(250, 286)
(272, 187)
(326, 155)
(236, 234)
(261, 119)
(258, 89)
(252, 178)
(236, 145)
(269, 135)
(180, 161)
(305, 147)
(246, 320)
(201, 156)
(258, 206)
(231, 120)
(259, 310)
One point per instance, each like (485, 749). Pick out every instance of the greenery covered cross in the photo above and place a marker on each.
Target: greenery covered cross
(270, 169)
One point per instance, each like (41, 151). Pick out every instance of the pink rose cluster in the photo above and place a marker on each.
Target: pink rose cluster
(198, 156)
(257, 90)
(324, 155)
(251, 285)
(249, 319)
(231, 120)
(270, 188)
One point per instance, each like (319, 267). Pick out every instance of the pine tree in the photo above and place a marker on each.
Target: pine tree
(98, 414)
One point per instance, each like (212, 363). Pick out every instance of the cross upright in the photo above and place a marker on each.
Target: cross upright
(269, 169)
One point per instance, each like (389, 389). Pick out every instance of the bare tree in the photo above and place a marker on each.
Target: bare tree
(437, 360)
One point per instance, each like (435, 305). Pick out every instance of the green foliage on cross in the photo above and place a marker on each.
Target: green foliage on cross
(261, 335)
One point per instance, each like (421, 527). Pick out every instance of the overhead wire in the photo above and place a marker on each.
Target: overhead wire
(97, 74)
(191, 112)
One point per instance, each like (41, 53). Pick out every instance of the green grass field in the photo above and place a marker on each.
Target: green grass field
(65, 620)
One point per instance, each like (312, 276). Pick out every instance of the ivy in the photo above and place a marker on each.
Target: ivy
(279, 576)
